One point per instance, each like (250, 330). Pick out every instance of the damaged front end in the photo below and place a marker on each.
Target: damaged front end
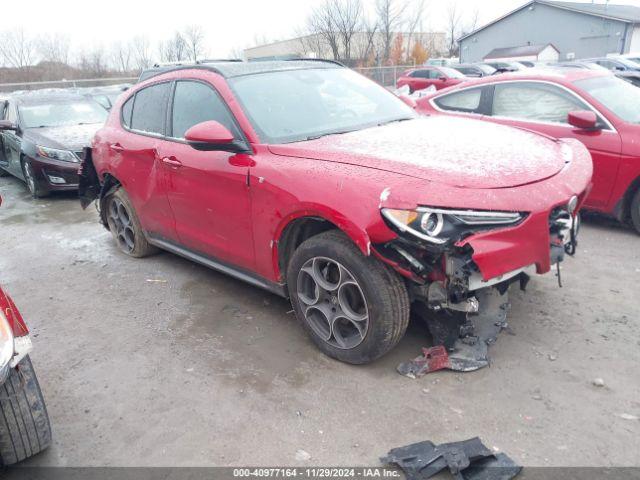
(460, 265)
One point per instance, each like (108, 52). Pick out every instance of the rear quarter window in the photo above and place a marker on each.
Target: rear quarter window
(150, 108)
(127, 110)
(464, 101)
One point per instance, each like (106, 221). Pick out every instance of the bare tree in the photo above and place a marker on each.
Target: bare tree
(322, 30)
(414, 24)
(194, 38)
(366, 45)
(348, 21)
(390, 20)
(121, 56)
(174, 49)
(17, 48)
(54, 47)
(141, 52)
(454, 18)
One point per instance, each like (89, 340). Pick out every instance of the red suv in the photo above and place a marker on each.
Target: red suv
(309, 180)
(424, 77)
(595, 107)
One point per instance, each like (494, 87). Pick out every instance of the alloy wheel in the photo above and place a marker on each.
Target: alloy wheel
(121, 224)
(332, 303)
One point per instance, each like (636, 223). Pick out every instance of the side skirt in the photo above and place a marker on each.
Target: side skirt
(255, 280)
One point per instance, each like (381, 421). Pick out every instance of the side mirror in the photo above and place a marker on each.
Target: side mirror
(442, 79)
(583, 119)
(212, 135)
(409, 101)
(8, 125)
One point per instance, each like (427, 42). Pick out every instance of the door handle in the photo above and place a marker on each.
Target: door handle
(116, 147)
(172, 162)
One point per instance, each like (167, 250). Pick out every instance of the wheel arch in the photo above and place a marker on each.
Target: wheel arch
(623, 208)
(110, 183)
(300, 226)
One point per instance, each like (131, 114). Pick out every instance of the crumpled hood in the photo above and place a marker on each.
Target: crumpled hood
(454, 151)
(73, 137)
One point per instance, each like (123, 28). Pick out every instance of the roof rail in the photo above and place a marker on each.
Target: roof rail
(325, 60)
(180, 63)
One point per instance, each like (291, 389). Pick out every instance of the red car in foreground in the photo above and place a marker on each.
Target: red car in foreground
(424, 77)
(592, 106)
(313, 182)
(24, 423)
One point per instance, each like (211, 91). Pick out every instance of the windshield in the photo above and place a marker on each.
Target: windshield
(451, 73)
(488, 69)
(621, 97)
(61, 114)
(296, 105)
(627, 62)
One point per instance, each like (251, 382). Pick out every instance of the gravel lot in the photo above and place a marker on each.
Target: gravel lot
(161, 362)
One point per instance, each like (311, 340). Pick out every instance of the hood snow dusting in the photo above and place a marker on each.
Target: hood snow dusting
(454, 151)
(73, 137)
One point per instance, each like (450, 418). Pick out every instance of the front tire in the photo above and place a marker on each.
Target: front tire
(635, 211)
(24, 422)
(354, 308)
(125, 227)
(31, 180)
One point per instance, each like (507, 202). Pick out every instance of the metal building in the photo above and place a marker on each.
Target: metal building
(576, 30)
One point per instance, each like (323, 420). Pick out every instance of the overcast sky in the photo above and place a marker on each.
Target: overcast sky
(229, 24)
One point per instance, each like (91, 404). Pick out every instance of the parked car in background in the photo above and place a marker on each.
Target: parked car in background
(24, 422)
(633, 57)
(441, 62)
(42, 137)
(351, 212)
(475, 69)
(631, 76)
(615, 64)
(528, 63)
(595, 107)
(105, 96)
(503, 67)
(424, 77)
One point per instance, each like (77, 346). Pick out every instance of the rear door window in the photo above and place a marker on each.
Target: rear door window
(195, 102)
(149, 109)
(538, 102)
(468, 101)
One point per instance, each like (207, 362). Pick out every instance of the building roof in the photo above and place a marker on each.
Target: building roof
(523, 51)
(623, 13)
(236, 69)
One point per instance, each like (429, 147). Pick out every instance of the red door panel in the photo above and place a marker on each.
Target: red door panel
(605, 148)
(209, 197)
(143, 178)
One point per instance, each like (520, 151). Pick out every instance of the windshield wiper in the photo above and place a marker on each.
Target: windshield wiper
(339, 132)
(394, 121)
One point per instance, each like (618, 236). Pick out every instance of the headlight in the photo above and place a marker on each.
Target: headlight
(55, 154)
(438, 225)
(6, 341)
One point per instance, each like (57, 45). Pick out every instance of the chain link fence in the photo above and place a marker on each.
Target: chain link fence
(385, 76)
(80, 83)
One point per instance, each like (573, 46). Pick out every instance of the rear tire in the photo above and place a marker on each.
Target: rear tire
(360, 307)
(125, 227)
(635, 211)
(24, 422)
